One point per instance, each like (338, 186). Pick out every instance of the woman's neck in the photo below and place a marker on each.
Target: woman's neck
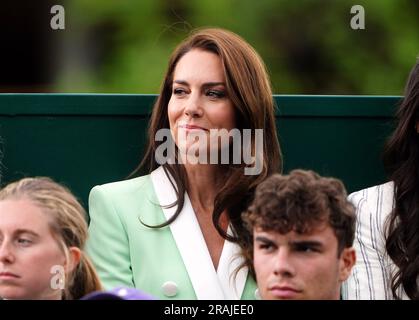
(203, 182)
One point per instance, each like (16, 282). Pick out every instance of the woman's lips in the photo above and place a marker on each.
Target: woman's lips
(192, 127)
(8, 275)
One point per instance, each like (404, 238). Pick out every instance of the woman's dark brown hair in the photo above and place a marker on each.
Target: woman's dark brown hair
(249, 89)
(401, 160)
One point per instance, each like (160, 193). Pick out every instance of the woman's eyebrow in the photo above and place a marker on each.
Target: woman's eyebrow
(213, 84)
(21, 231)
(206, 84)
(183, 82)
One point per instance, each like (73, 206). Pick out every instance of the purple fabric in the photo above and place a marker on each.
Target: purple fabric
(119, 293)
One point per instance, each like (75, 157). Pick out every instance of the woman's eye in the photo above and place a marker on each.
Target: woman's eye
(178, 91)
(24, 242)
(216, 93)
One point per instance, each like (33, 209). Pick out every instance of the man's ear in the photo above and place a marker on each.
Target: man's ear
(347, 261)
(74, 258)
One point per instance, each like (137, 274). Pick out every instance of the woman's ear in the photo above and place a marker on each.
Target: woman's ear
(347, 261)
(74, 257)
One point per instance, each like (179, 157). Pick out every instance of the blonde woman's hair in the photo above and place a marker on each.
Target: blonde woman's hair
(68, 226)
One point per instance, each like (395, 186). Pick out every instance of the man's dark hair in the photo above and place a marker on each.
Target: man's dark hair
(299, 202)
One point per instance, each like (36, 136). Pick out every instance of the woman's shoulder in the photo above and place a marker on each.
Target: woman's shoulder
(124, 187)
(385, 190)
(376, 198)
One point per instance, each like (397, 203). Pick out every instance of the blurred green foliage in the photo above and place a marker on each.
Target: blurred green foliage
(308, 45)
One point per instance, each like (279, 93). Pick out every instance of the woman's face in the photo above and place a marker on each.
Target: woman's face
(29, 254)
(199, 101)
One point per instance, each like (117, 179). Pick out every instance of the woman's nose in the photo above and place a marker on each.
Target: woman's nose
(6, 254)
(193, 106)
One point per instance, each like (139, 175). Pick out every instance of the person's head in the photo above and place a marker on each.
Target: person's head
(216, 80)
(401, 160)
(303, 229)
(215, 69)
(42, 235)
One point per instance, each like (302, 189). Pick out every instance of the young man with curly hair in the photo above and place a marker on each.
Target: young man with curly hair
(303, 228)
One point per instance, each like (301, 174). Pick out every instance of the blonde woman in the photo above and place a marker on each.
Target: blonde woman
(42, 235)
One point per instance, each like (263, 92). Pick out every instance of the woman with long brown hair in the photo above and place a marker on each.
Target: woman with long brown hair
(42, 235)
(387, 232)
(176, 232)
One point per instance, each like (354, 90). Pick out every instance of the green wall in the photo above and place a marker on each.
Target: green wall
(86, 139)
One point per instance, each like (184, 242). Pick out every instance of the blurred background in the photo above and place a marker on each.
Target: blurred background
(123, 46)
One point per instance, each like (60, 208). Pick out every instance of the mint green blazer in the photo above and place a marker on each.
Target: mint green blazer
(169, 263)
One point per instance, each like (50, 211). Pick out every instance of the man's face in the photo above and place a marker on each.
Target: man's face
(300, 266)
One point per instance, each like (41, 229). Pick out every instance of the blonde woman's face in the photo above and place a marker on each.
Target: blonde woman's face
(30, 257)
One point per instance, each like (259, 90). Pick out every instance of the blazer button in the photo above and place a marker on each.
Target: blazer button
(257, 295)
(169, 288)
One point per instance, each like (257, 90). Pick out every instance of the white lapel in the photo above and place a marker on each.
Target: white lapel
(189, 240)
(233, 285)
